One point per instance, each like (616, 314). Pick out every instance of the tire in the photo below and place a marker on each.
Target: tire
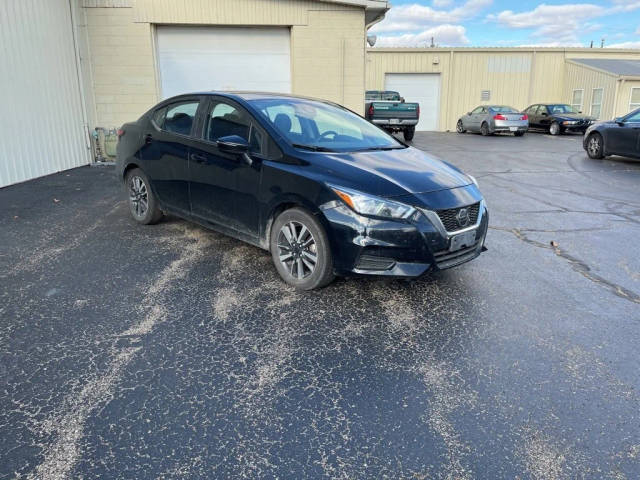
(554, 128)
(408, 133)
(298, 269)
(595, 146)
(143, 204)
(484, 129)
(460, 127)
(518, 134)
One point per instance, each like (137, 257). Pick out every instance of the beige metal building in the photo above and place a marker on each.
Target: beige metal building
(68, 66)
(449, 82)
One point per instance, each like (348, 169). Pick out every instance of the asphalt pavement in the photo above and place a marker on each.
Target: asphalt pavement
(170, 351)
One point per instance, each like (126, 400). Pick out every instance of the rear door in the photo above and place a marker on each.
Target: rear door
(544, 117)
(532, 113)
(165, 154)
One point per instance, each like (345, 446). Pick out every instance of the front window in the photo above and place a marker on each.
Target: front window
(321, 126)
(560, 109)
(633, 117)
(226, 120)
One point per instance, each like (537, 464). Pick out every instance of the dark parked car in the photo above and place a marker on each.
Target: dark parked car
(618, 137)
(322, 189)
(388, 110)
(557, 118)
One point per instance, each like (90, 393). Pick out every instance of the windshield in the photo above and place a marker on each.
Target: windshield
(319, 126)
(502, 109)
(553, 109)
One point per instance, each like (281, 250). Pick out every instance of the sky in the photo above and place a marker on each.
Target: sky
(508, 23)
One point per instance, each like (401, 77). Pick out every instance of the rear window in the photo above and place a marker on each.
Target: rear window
(503, 109)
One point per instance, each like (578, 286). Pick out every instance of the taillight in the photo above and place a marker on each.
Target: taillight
(524, 117)
(418, 111)
(120, 132)
(499, 116)
(371, 110)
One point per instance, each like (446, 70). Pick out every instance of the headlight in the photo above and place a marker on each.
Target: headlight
(374, 206)
(473, 179)
(568, 122)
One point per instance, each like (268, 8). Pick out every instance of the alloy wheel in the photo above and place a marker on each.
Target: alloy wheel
(459, 127)
(554, 129)
(594, 146)
(297, 250)
(138, 196)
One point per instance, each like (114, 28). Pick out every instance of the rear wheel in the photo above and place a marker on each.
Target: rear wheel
(484, 129)
(554, 129)
(300, 250)
(595, 146)
(460, 127)
(142, 202)
(408, 133)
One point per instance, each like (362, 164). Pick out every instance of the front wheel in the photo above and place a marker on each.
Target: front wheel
(142, 202)
(408, 133)
(554, 129)
(300, 250)
(460, 127)
(595, 146)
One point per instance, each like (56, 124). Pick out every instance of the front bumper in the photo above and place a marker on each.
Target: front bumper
(366, 246)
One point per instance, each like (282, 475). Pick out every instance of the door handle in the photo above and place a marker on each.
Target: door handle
(196, 157)
(148, 138)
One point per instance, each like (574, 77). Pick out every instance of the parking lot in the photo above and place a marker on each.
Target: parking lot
(174, 352)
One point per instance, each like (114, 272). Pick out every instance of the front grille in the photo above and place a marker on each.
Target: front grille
(447, 259)
(452, 221)
(373, 262)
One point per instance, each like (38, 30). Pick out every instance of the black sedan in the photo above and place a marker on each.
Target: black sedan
(618, 137)
(322, 189)
(557, 118)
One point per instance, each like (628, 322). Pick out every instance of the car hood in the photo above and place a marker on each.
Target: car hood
(391, 173)
(572, 116)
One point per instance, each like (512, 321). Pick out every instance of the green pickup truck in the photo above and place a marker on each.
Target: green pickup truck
(388, 110)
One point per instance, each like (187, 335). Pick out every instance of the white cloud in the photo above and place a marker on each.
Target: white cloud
(442, 3)
(625, 5)
(562, 23)
(449, 35)
(415, 17)
(624, 45)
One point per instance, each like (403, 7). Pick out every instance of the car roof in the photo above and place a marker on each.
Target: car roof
(250, 95)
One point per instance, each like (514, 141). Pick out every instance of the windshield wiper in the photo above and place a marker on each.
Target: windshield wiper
(372, 149)
(313, 148)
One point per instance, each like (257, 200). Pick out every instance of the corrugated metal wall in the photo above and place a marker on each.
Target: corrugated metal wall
(42, 118)
(582, 78)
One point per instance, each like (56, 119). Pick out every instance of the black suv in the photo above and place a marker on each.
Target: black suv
(557, 118)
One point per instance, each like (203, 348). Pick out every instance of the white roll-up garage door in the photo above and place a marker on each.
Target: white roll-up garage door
(223, 58)
(423, 88)
(41, 120)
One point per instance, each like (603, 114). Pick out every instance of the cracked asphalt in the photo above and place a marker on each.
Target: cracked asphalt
(174, 352)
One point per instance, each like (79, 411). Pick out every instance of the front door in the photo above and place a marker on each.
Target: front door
(166, 152)
(224, 186)
(623, 138)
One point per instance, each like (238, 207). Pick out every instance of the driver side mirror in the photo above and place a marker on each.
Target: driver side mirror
(619, 120)
(233, 144)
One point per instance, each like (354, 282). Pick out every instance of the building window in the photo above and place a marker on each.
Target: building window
(596, 102)
(576, 100)
(635, 99)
